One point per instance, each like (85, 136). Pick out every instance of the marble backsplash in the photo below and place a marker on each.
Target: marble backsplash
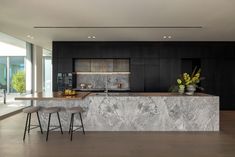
(98, 81)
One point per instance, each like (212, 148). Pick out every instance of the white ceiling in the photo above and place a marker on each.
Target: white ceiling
(217, 18)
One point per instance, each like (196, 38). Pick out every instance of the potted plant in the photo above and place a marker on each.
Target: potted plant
(190, 82)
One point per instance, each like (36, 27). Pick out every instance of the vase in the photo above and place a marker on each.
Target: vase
(181, 89)
(190, 89)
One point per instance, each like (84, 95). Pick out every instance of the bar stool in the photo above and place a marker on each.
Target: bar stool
(51, 110)
(29, 111)
(73, 111)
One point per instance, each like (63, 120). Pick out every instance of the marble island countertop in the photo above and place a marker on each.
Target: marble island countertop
(52, 96)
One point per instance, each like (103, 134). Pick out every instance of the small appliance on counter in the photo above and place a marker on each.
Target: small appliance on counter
(83, 85)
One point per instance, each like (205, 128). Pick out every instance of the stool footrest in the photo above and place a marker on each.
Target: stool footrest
(35, 126)
(54, 128)
(77, 127)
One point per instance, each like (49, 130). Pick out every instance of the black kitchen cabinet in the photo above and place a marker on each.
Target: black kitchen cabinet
(155, 66)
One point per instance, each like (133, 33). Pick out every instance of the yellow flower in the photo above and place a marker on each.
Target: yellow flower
(179, 81)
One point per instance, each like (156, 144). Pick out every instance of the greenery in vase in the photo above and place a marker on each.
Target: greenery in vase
(193, 79)
(186, 79)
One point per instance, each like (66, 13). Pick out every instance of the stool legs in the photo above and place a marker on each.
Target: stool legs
(59, 122)
(26, 126)
(29, 123)
(71, 130)
(39, 122)
(70, 124)
(71, 127)
(48, 126)
(82, 123)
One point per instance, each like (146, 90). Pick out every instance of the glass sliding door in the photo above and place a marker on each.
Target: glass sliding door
(3, 73)
(13, 67)
(16, 65)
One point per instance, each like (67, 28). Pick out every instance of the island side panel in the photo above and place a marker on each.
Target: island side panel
(141, 113)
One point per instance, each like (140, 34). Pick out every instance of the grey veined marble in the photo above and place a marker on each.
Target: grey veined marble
(141, 113)
(99, 81)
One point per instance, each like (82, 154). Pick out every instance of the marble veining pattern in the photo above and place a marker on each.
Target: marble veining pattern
(141, 113)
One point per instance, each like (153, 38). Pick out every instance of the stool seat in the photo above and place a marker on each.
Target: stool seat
(31, 109)
(75, 110)
(51, 109)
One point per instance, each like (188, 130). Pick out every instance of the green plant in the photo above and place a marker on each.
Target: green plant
(186, 79)
(18, 81)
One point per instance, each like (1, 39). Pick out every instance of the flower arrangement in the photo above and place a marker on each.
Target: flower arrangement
(189, 81)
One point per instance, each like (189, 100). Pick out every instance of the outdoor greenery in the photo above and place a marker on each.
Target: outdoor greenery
(18, 81)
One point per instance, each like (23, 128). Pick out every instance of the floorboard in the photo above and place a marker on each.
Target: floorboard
(118, 144)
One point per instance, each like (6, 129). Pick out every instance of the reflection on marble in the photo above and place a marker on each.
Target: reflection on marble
(99, 81)
(142, 113)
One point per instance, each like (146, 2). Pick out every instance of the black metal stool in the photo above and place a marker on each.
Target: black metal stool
(51, 110)
(29, 111)
(73, 111)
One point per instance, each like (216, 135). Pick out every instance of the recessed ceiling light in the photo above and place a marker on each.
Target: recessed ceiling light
(91, 37)
(169, 37)
(164, 37)
(30, 36)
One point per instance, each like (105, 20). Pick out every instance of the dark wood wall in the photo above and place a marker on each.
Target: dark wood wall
(156, 65)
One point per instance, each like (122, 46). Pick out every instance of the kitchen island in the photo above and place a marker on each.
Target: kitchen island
(136, 111)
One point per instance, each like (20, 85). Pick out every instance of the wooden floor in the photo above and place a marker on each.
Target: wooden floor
(118, 144)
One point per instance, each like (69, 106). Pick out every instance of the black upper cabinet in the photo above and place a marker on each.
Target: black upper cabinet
(169, 72)
(137, 77)
(151, 78)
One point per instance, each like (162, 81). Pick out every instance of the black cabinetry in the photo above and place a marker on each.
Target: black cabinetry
(154, 66)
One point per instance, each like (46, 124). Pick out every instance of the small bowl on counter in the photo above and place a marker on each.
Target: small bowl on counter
(69, 92)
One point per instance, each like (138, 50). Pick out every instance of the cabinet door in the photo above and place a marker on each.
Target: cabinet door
(137, 74)
(151, 80)
(151, 74)
(101, 65)
(82, 65)
(169, 71)
(121, 65)
(226, 84)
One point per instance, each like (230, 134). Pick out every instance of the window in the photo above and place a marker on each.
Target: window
(47, 71)
(12, 56)
(3, 73)
(13, 59)
(16, 64)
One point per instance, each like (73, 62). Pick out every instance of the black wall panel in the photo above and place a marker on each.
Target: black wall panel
(156, 65)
